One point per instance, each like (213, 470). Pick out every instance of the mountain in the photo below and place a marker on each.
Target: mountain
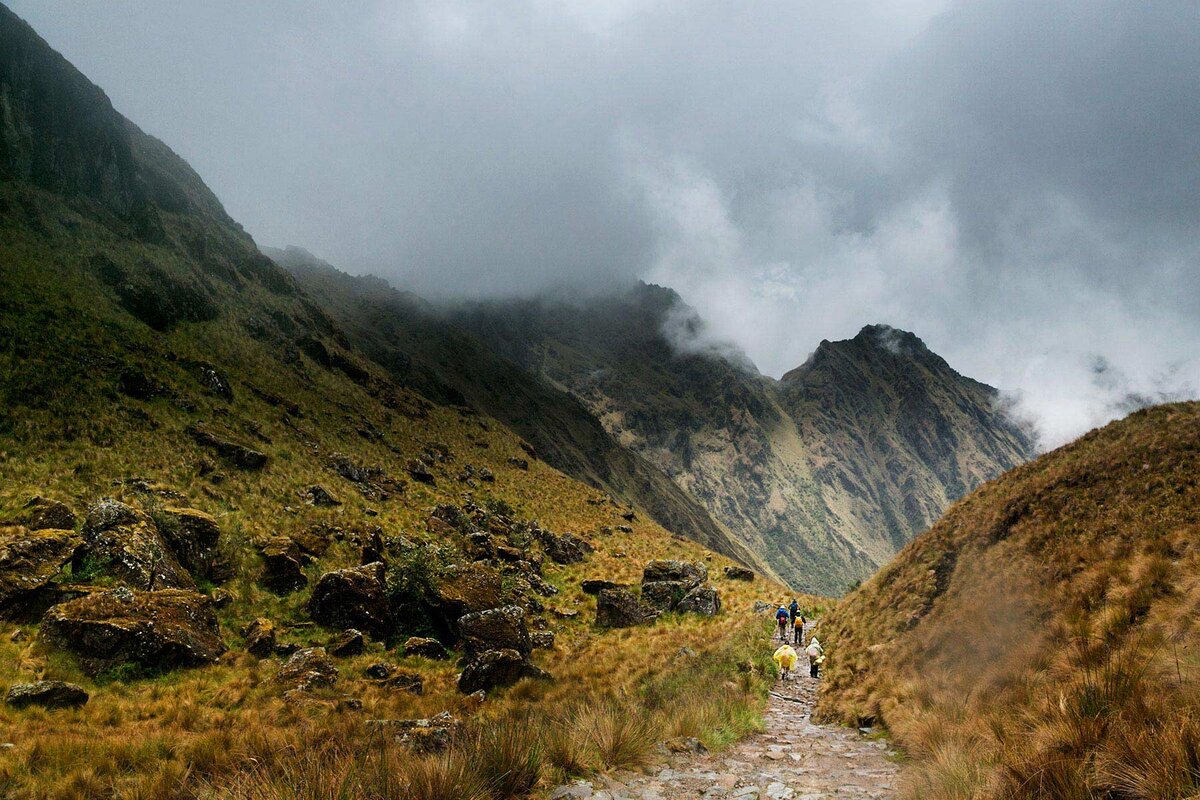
(826, 472)
(1040, 640)
(221, 521)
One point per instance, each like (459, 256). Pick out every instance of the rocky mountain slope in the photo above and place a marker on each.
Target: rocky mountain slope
(228, 535)
(1040, 640)
(826, 472)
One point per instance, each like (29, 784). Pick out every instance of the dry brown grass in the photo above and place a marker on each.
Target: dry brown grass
(1040, 641)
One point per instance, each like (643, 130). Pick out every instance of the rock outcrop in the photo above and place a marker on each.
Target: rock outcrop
(495, 629)
(29, 562)
(260, 636)
(353, 598)
(193, 537)
(620, 608)
(125, 543)
(497, 668)
(283, 565)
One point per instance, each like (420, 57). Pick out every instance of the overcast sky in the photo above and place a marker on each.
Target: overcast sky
(1016, 181)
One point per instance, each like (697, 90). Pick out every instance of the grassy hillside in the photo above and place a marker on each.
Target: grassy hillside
(1041, 640)
(151, 356)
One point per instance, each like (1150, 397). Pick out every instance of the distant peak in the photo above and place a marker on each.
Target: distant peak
(894, 340)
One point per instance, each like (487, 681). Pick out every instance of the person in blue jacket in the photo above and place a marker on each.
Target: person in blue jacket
(782, 619)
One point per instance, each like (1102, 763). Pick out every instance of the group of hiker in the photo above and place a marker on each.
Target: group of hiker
(791, 624)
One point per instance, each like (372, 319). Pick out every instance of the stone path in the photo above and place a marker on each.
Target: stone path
(792, 759)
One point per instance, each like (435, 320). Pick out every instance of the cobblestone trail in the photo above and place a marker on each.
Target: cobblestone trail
(792, 759)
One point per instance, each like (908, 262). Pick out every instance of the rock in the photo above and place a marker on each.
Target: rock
(212, 379)
(134, 383)
(494, 668)
(542, 640)
(432, 735)
(468, 588)
(17, 636)
(349, 704)
(703, 600)
(260, 637)
(317, 495)
(565, 549)
(664, 570)
(761, 606)
(739, 574)
(419, 471)
(349, 642)
(221, 598)
(479, 546)
(308, 668)
(47, 694)
(125, 543)
(158, 630)
(629, 516)
(40, 514)
(565, 613)
(395, 678)
(29, 562)
(353, 598)
(495, 629)
(425, 648)
(597, 585)
(283, 571)
(685, 744)
(519, 463)
(235, 454)
(663, 596)
(619, 608)
(192, 535)
(373, 548)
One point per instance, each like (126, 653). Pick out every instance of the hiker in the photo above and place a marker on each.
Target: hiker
(799, 624)
(816, 655)
(781, 619)
(794, 610)
(785, 659)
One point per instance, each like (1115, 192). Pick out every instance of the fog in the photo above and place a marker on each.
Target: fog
(1016, 182)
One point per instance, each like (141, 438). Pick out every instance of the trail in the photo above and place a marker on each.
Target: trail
(792, 759)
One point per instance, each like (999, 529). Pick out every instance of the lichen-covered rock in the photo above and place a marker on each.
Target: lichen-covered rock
(565, 549)
(702, 600)
(353, 598)
(467, 588)
(283, 567)
(317, 495)
(126, 544)
(419, 471)
(46, 694)
(670, 570)
(40, 514)
(159, 630)
(597, 585)
(29, 562)
(307, 669)
(495, 629)
(739, 574)
(425, 648)
(494, 668)
(395, 678)
(237, 455)
(349, 642)
(192, 535)
(663, 596)
(542, 640)
(260, 636)
(431, 735)
(620, 608)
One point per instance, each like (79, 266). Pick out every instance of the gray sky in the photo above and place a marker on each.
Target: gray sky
(1017, 181)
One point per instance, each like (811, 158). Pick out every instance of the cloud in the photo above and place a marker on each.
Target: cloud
(1015, 181)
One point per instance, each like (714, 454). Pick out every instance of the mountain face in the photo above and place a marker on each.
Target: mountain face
(826, 472)
(1040, 640)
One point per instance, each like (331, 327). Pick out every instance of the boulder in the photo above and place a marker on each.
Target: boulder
(542, 640)
(494, 668)
(235, 454)
(596, 585)
(467, 588)
(47, 694)
(307, 669)
(565, 549)
(519, 463)
(40, 514)
(619, 608)
(739, 574)
(761, 606)
(29, 562)
(395, 678)
(663, 596)
(159, 630)
(419, 471)
(192, 535)
(425, 648)
(283, 570)
(126, 544)
(317, 495)
(670, 570)
(349, 642)
(353, 598)
(432, 735)
(495, 629)
(260, 637)
(703, 600)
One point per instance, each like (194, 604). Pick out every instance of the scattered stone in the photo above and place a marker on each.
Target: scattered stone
(159, 630)
(132, 382)
(761, 606)
(566, 613)
(432, 735)
(629, 516)
(739, 574)
(494, 668)
(519, 463)
(425, 648)
(308, 668)
(260, 637)
(685, 744)
(619, 608)
(624, 529)
(542, 640)
(29, 563)
(320, 497)
(315, 540)
(565, 549)
(40, 514)
(47, 694)
(703, 600)
(419, 471)
(597, 585)
(395, 678)
(235, 454)
(349, 704)
(353, 598)
(349, 642)
(670, 570)
(495, 629)
(283, 571)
